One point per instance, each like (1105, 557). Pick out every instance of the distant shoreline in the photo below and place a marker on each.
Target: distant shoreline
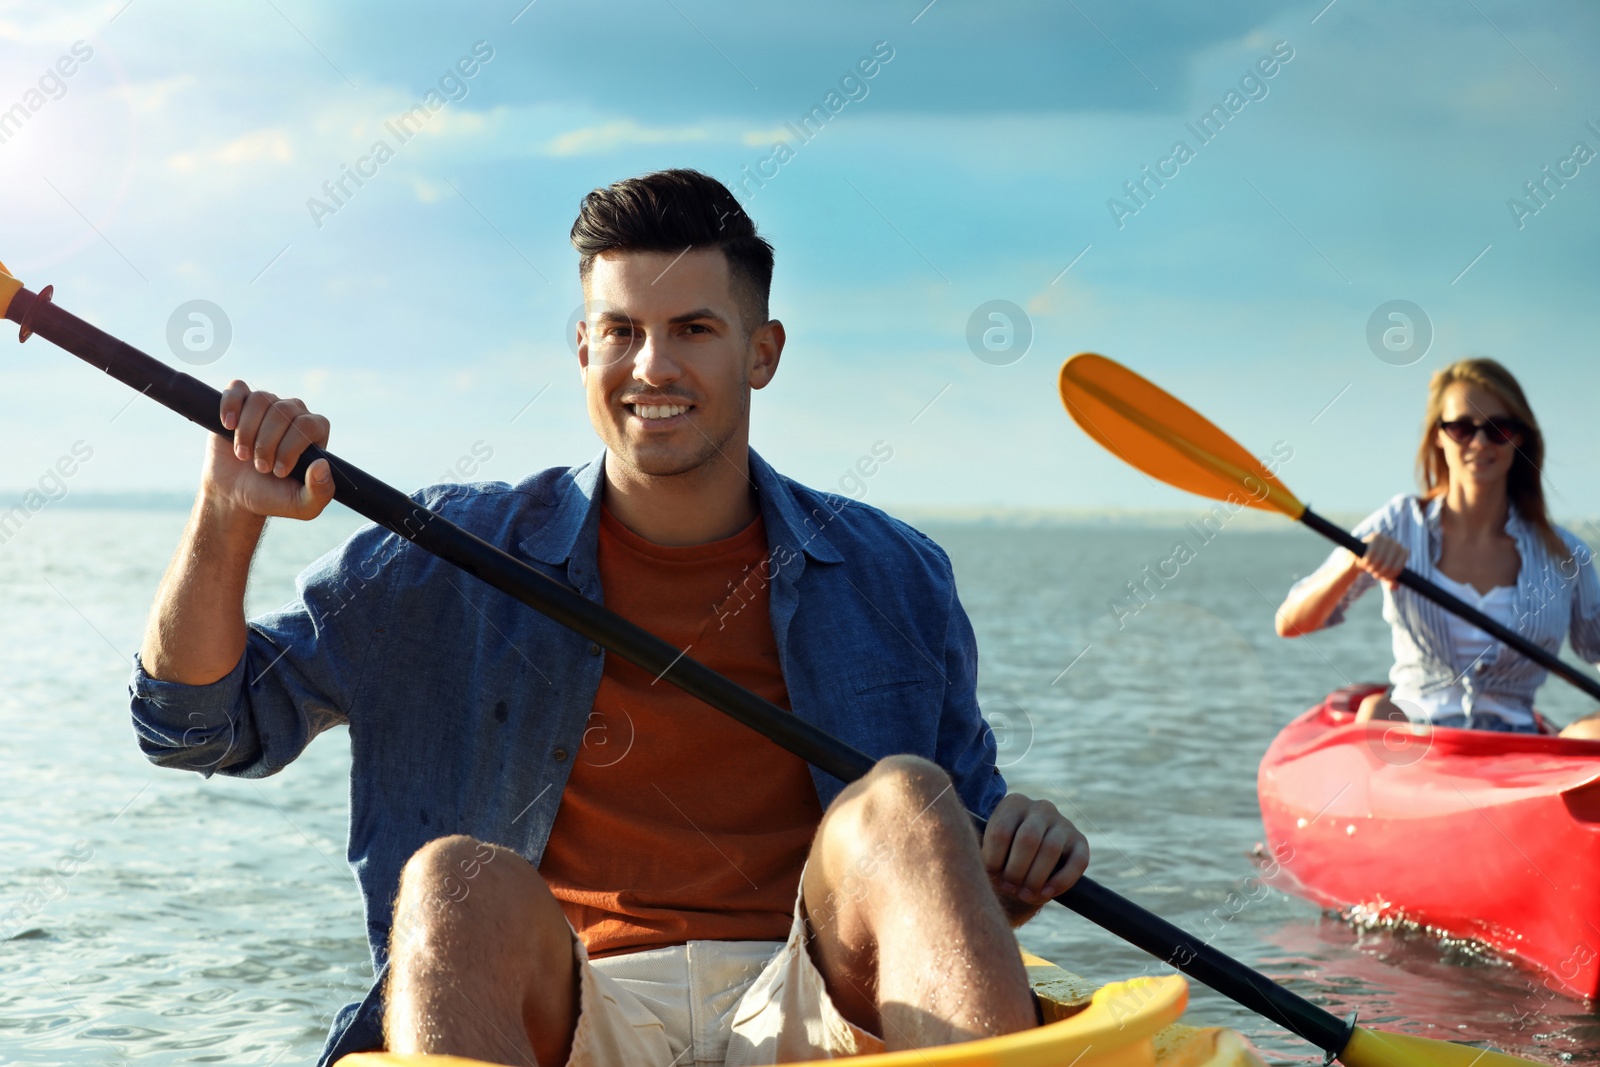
(174, 500)
(943, 515)
(1097, 518)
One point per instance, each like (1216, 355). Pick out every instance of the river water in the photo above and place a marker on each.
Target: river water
(153, 916)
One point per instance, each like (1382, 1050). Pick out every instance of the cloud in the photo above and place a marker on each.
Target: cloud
(258, 146)
(150, 97)
(429, 192)
(462, 122)
(766, 138)
(609, 136)
(51, 25)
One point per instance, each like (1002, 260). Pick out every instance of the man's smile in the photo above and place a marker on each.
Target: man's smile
(658, 414)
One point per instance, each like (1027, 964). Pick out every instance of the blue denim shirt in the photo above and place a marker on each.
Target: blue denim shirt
(465, 706)
(1554, 599)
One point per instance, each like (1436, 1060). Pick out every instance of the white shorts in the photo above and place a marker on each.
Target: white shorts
(738, 1003)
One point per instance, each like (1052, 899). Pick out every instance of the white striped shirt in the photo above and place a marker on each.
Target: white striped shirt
(1553, 599)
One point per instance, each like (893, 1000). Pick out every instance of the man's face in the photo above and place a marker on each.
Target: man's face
(665, 361)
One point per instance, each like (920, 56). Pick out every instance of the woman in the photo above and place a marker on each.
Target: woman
(1479, 530)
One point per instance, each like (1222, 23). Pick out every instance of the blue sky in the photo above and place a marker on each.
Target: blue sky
(424, 314)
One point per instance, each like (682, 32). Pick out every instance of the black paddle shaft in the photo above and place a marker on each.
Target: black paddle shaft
(395, 511)
(1450, 602)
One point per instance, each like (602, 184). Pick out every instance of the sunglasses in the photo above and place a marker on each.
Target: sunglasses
(1495, 431)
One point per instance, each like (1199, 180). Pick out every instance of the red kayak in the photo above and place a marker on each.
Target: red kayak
(1472, 833)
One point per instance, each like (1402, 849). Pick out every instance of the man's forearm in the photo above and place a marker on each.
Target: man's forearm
(1017, 911)
(197, 630)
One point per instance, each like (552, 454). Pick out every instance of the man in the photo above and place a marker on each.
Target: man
(562, 860)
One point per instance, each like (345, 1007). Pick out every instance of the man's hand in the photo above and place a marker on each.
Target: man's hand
(269, 436)
(197, 629)
(1025, 843)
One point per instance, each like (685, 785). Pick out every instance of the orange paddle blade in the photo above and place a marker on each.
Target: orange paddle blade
(9, 287)
(1161, 435)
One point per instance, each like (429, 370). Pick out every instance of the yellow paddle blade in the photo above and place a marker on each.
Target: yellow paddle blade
(1379, 1048)
(1161, 435)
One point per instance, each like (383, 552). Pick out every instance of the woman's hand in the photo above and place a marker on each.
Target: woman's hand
(1385, 558)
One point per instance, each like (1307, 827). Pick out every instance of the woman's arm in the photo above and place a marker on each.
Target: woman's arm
(1313, 600)
(1584, 626)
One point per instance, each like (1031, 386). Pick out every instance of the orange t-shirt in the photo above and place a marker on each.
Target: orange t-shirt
(678, 823)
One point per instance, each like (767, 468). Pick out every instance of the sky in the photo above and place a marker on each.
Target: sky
(1368, 154)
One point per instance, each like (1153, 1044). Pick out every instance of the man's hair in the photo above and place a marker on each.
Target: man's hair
(673, 211)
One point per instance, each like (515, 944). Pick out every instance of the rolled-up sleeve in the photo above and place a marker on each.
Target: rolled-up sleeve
(966, 744)
(1584, 627)
(299, 674)
(1380, 521)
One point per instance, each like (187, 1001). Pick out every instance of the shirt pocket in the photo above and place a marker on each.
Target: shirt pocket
(885, 707)
(887, 681)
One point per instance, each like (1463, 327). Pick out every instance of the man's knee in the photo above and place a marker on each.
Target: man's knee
(475, 925)
(900, 795)
(453, 885)
(907, 772)
(432, 859)
(449, 866)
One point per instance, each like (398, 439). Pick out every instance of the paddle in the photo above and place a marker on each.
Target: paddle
(1164, 437)
(395, 511)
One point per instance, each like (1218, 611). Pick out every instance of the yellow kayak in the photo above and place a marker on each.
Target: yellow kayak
(1124, 1024)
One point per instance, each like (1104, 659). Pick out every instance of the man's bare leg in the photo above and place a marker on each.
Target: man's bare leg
(906, 928)
(481, 961)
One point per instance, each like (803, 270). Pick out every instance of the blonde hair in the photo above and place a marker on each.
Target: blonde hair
(1524, 482)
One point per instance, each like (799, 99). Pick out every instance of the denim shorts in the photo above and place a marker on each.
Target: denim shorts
(1483, 720)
